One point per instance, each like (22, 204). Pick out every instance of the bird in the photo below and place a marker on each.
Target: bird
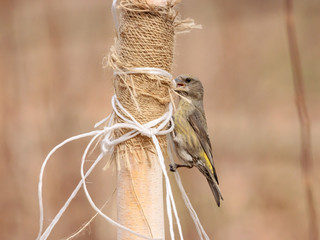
(190, 134)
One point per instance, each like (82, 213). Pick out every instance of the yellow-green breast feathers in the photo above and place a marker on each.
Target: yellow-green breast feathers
(190, 134)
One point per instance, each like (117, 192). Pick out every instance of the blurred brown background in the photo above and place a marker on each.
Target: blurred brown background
(52, 86)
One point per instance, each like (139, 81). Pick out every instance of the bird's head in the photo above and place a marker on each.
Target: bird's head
(189, 87)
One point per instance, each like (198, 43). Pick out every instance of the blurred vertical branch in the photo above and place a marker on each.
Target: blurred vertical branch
(306, 155)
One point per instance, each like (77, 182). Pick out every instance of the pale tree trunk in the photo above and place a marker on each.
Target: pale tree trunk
(140, 204)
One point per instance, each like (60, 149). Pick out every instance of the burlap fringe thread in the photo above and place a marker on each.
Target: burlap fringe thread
(146, 37)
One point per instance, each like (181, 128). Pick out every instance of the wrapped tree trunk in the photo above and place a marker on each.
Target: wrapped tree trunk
(145, 39)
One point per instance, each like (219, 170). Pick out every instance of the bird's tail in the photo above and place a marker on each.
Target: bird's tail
(215, 190)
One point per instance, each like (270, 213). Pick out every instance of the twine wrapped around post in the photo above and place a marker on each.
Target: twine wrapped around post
(136, 131)
(145, 39)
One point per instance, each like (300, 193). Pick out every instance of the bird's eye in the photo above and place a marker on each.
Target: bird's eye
(188, 80)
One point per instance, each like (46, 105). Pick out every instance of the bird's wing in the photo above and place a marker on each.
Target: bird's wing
(198, 122)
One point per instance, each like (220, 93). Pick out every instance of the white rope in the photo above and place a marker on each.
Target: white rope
(147, 70)
(83, 177)
(107, 145)
(40, 198)
(149, 129)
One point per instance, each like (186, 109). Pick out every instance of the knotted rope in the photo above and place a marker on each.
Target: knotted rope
(122, 126)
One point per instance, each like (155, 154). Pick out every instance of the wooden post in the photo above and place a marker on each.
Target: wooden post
(140, 199)
(145, 39)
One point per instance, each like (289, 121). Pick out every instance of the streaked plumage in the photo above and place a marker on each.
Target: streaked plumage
(190, 134)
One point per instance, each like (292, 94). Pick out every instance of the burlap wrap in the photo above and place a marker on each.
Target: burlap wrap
(145, 39)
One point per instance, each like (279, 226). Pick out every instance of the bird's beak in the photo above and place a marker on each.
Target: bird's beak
(180, 85)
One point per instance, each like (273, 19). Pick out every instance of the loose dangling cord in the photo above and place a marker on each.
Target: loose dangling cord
(148, 129)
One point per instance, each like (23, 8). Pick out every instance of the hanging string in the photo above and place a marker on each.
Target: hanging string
(150, 129)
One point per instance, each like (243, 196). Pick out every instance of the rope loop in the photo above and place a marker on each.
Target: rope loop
(148, 129)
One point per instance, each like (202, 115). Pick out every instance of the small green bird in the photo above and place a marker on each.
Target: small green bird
(190, 134)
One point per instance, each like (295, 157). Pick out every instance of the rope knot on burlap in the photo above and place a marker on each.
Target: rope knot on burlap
(106, 145)
(149, 132)
(155, 127)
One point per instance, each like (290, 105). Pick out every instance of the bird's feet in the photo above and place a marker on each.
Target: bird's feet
(175, 166)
